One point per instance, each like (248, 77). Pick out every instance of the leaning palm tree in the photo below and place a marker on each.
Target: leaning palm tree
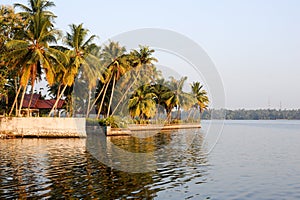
(79, 57)
(115, 67)
(91, 75)
(32, 52)
(201, 96)
(176, 97)
(142, 70)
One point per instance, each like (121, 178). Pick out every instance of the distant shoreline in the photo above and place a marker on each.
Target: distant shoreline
(258, 114)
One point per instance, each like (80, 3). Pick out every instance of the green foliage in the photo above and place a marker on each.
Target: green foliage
(113, 121)
(176, 121)
(142, 103)
(200, 95)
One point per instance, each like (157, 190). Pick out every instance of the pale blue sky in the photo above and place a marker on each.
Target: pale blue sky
(254, 44)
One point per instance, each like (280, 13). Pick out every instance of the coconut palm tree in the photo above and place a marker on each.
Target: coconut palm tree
(143, 56)
(114, 60)
(93, 75)
(79, 58)
(32, 52)
(11, 27)
(201, 95)
(142, 102)
(142, 70)
(36, 7)
(160, 88)
(176, 97)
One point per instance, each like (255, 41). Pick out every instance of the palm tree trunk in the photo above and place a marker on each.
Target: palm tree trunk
(15, 103)
(22, 99)
(169, 113)
(89, 103)
(189, 115)
(200, 112)
(93, 104)
(57, 100)
(71, 106)
(194, 114)
(178, 113)
(111, 96)
(30, 101)
(101, 104)
(58, 90)
(127, 90)
(16, 85)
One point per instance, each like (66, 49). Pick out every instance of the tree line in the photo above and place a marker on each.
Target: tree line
(102, 77)
(259, 114)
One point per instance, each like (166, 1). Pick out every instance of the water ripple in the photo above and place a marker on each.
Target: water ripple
(62, 168)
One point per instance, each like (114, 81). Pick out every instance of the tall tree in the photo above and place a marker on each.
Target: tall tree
(32, 53)
(176, 97)
(161, 88)
(116, 66)
(142, 70)
(80, 58)
(11, 27)
(201, 96)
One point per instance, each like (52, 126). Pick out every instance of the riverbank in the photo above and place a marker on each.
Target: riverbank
(46, 127)
(20, 127)
(149, 128)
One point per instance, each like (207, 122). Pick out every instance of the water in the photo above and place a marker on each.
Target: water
(252, 160)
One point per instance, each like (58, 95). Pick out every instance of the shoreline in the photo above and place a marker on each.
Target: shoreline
(149, 128)
(30, 127)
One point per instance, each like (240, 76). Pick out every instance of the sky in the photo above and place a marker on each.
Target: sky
(254, 44)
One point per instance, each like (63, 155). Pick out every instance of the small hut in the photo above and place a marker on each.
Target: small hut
(38, 104)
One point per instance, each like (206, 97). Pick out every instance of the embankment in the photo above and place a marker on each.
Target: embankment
(42, 127)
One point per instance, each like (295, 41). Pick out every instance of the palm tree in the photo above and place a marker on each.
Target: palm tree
(142, 102)
(143, 57)
(11, 24)
(90, 76)
(176, 97)
(201, 96)
(11, 27)
(141, 61)
(117, 69)
(35, 7)
(79, 57)
(32, 52)
(161, 88)
(116, 66)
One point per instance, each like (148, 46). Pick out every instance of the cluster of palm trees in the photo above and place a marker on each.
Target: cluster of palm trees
(107, 80)
(153, 99)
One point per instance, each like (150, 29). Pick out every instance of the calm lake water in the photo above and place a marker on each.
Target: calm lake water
(252, 160)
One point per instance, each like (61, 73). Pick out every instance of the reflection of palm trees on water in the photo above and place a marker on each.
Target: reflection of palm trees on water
(67, 168)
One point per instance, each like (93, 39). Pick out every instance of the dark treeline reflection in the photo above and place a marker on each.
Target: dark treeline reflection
(65, 168)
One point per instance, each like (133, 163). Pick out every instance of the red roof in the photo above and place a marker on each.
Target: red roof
(38, 103)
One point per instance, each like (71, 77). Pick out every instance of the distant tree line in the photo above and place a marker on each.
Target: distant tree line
(259, 114)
